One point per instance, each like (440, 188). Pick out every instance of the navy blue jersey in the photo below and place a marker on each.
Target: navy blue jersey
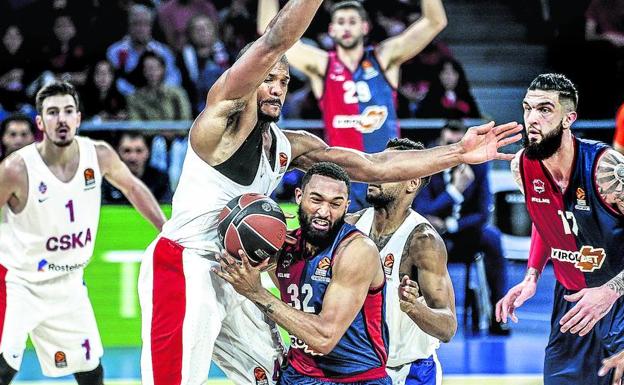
(362, 352)
(585, 235)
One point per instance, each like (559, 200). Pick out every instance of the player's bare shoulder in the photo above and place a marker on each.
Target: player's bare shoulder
(515, 170)
(424, 246)
(13, 182)
(352, 218)
(610, 178)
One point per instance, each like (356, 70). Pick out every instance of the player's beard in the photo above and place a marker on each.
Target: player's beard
(265, 118)
(547, 147)
(319, 239)
(354, 44)
(381, 200)
(60, 142)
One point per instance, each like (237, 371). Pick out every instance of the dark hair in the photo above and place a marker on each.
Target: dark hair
(403, 144)
(556, 82)
(328, 169)
(53, 89)
(138, 75)
(283, 59)
(349, 4)
(133, 135)
(16, 118)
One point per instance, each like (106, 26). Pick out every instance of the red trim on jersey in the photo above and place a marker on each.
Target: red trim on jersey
(169, 307)
(610, 209)
(538, 253)
(372, 310)
(619, 126)
(3, 298)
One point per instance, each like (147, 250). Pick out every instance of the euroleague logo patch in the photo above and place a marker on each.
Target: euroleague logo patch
(60, 360)
(260, 376)
(388, 264)
(283, 162)
(89, 177)
(322, 270)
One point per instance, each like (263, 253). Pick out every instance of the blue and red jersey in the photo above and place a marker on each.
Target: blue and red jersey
(359, 108)
(362, 352)
(584, 234)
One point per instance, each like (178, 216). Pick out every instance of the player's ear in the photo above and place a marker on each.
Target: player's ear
(413, 185)
(568, 119)
(298, 195)
(39, 121)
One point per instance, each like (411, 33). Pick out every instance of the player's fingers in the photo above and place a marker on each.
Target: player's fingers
(590, 325)
(505, 309)
(569, 315)
(290, 240)
(574, 297)
(245, 260)
(512, 315)
(484, 128)
(617, 376)
(521, 298)
(507, 141)
(228, 259)
(571, 322)
(221, 274)
(498, 310)
(581, 324)
(411, 290)
(505, 129)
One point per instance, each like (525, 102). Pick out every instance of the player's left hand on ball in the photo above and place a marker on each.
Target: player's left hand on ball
(409, 292)
(240, 274)
(616, 362)
(593, 304)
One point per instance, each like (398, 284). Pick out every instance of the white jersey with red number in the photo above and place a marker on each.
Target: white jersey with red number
(203, 192)
(55, 232)
(408, 342)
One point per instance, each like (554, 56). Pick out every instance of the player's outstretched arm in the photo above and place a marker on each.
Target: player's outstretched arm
(478, 145)
(13, 182)
(404, 46)
(117, 173)
(356, 266)
(426, 253)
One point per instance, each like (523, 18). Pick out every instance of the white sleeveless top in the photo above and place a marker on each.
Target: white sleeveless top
(408, 342)
(203, 192)
(55, 232)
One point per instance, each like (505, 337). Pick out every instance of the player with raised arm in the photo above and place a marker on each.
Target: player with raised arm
(188, 313)
(420, 303)
(50, 197)
(574, 192)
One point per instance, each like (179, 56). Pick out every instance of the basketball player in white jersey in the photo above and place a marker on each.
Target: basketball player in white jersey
(190, 314)
(420, 303)
(50, 200)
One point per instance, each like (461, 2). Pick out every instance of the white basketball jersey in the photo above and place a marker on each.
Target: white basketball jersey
(55, 232)
(407, 341)
(203, 192)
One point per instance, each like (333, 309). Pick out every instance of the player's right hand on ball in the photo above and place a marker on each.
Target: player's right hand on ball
(515, 297)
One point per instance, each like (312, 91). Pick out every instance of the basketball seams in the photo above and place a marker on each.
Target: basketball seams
(260, 235)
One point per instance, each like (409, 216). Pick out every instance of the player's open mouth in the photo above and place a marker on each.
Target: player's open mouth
(320, 224)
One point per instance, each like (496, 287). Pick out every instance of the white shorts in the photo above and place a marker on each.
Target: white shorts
(189, 315)
(58, 316)
(427, 371)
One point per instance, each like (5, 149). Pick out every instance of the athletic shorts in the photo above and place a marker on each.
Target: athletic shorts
(291, 377)
(58, 316)
(189, 315)
(571, 359)
(426, 371)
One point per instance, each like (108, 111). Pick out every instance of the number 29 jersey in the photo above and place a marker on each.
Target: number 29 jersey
(55, 232)
(362, 352)
(359, 108)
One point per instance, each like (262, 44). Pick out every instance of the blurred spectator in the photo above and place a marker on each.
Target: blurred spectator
(202, 60)
(174, 17)
(237, 25)
(618, 140)
(449, 95)
(66, 56)
(134, 152)
(458, 202)
(604, 20)
(154, 100)
(16, 131)
(17, 70)
(100, 97)
(125, 54)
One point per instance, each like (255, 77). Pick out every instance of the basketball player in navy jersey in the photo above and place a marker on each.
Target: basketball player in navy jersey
(574, 191)
(50, 198)
(235, 147)
(332, 288)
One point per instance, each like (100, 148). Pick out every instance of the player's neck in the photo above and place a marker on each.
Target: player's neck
(54, 155)
(388, 219)
(560, 164)
(351, 57)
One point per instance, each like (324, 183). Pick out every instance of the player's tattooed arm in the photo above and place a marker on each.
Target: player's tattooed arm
(617, 284)
(515, 171)
(610, 179)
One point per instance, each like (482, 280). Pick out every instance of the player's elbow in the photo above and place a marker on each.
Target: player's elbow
(326, 341)
(449, 332)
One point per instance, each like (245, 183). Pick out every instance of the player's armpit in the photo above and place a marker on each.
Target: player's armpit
(609, 179)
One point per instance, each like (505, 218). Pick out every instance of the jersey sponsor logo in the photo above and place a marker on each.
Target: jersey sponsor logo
(370, 120)
(539, 186)
(260, 376)
(283, 161)
(89, 177)
(369, 70)
(43, 188)
(321, 270)
(60, 359)
(581, 203)
(69, 241)
(300, 344)
(337, 78)
(388, 264)
(540, 200)
(586, 260)
(44, 266)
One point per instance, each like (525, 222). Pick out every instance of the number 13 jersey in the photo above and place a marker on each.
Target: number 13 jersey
(55, 232)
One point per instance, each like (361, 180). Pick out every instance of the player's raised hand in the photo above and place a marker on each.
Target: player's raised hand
(481, 143)
(515, 297)
(409, 292)
(244, 277)
(616, 362)
(593, 304)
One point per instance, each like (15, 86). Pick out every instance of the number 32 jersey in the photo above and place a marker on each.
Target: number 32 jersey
(362, 352)
(359, 108)
(55, 232)
(585, 236)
